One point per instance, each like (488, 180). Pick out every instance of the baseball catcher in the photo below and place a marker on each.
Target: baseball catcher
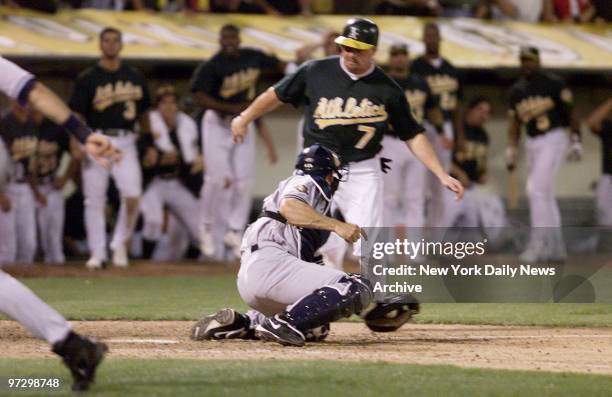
(293, 299)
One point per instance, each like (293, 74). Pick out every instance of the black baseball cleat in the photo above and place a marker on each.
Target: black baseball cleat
(224, 324)
(82, 356)
(278, 330)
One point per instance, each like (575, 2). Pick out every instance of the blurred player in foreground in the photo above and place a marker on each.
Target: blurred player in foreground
(600, 123)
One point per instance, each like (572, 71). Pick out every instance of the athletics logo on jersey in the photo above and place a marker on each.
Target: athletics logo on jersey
(336, 112)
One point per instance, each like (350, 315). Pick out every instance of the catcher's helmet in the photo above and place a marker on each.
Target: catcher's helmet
(318, 162)
(359, 33)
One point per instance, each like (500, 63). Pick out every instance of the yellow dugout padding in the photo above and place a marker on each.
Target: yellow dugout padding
(468, 43)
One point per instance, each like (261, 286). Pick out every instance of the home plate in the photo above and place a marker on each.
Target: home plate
(154, 341)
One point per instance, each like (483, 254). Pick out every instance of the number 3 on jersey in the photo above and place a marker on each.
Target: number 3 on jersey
(130, 110)
(368, 134)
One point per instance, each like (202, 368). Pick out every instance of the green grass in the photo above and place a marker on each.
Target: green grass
(127, 377)
(187, 298)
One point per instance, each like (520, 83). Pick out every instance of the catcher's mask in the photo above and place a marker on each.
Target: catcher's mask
(318, 162)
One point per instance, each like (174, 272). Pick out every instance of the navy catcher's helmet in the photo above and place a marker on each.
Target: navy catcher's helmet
(318, 162)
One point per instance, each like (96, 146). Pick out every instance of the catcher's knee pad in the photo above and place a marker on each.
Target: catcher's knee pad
(350, 295)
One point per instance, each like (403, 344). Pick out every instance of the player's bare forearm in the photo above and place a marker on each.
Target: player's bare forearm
(514, 132)
(145, 123)
(598, 115)
(574, 121)
(301, 214)
(49, 104)
(422, 150)
(458, 127)
(435, 117)
(264, 133)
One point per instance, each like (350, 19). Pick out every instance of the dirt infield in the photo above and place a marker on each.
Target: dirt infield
(586, 350)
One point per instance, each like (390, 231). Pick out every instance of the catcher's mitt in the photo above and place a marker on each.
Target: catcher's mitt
(391, 314)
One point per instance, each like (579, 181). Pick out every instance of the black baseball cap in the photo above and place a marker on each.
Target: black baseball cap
(529, 53)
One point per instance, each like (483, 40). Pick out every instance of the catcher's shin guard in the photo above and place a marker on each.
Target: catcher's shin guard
(348, 296)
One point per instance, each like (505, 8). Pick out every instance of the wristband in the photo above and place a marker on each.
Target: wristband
(76, 128)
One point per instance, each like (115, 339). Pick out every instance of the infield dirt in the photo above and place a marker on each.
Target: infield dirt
(584, 350)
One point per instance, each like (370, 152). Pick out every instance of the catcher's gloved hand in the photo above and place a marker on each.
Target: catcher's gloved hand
(384, 164)
(391, 314)
(575, 150)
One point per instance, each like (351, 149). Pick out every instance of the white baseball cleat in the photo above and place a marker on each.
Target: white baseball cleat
(207, 241)
(120, 257)
(94, 263)
(233, 240)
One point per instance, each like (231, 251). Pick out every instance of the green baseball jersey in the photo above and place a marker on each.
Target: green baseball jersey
(542, 103)
(444, 82)
(110, 99)
(232, 79)
(348, 116)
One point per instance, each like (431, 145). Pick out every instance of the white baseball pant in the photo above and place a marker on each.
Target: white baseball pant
(442, 204)
(604, 200)
(18, 226)
(51, 224)
(179, 200)
(360, 199)
(174, 243)
(545, 154)
(226, 162)
(404, 186)
(128, 178)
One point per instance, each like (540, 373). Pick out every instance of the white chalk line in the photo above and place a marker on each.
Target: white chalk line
(153, 341)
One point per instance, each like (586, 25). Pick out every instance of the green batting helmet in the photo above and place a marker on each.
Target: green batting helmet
(359, 33)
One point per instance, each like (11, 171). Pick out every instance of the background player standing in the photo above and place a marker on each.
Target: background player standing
(406, 183)
(224, 86)
(18, 215)
(52, 144)
(80, 354)
(542, 103)
(112, 97)
(600, 123)
(348, 104)
(445, 85)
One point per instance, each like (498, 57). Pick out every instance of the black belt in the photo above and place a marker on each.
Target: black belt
(254, 247)
(274, 215)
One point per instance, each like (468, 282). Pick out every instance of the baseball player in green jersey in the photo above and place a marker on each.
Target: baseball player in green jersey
(112, 97)
(349, 103)
(542, 103)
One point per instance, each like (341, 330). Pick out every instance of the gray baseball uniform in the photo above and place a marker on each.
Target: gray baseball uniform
(17, 301)
(273, 272)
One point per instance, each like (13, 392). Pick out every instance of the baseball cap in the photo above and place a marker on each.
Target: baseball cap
(529, 53)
